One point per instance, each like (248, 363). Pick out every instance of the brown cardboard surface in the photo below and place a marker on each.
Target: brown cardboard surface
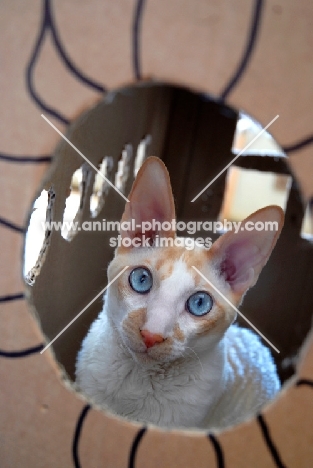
(305, 367)
(209, 41)
(31, 434)
(174, 449)
(197, 45)
(100, 432)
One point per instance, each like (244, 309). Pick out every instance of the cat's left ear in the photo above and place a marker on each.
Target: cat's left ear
(240, 257)
(150, 199)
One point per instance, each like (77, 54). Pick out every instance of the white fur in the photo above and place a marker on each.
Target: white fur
(206, 373)
(213, 381)
(173, 394)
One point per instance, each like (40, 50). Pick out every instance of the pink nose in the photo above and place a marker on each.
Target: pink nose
(150, 339)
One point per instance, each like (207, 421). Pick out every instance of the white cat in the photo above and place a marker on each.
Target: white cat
(164, 350)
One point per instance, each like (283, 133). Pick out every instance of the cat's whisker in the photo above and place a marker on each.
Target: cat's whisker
(159, 381)
(188, 347)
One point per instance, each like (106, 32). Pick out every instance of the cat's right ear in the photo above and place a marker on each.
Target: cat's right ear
(150, 201)
(240, 256)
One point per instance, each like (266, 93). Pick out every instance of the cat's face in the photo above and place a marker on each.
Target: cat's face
(160, 306)
(162, 294)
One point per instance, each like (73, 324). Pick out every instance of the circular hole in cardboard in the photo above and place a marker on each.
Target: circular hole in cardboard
(196, 137)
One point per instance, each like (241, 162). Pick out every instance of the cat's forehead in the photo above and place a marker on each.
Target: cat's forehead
(165, 260)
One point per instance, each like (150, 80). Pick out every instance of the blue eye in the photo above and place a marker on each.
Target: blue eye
(140, 280)
(199, 303)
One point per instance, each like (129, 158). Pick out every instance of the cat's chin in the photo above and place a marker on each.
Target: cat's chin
(142, 357)
(148, 357)
(156, 355)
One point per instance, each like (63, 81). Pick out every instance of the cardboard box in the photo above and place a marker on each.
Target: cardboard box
(256, 57)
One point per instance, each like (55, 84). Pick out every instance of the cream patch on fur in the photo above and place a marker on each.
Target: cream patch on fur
(206, 373)
(168, 302)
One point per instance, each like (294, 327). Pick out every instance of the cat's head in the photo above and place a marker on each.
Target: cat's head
(161, 306)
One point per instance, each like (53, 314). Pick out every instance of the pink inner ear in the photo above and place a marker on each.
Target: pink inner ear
(242, 255)
(150, 199)
(147, 210)
(239, 263)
